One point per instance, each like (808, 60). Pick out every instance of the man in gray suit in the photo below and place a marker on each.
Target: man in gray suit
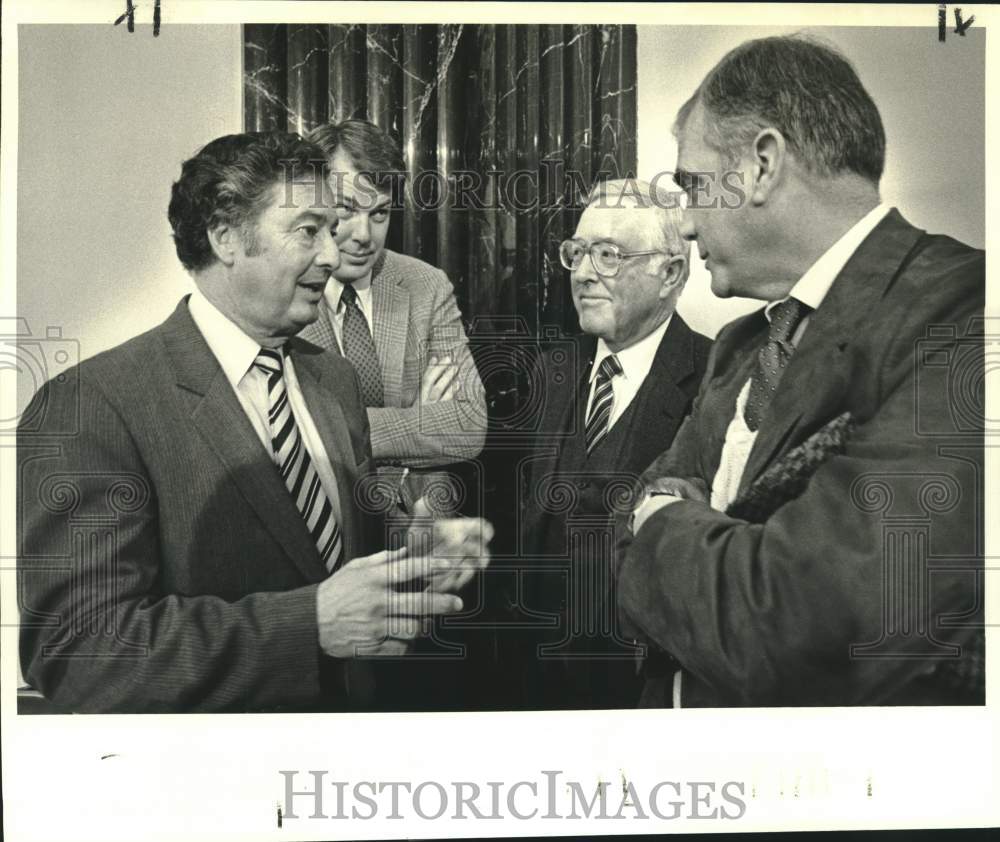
(395, 318)
(190, 537)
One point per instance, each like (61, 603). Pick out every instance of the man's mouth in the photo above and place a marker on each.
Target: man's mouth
(314, 286)
(358, 255)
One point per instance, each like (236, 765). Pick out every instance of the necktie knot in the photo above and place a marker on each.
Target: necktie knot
(270, 360)
(349, 296)
(785, 318)
(609, 367)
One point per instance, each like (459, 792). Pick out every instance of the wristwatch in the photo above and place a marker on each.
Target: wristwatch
(646, 497)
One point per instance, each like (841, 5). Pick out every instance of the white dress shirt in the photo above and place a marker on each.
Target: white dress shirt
(333, 292)
(236, 353)
(636, 361)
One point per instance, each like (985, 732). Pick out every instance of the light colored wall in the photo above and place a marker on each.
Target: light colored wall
(931, 97)
(105, 119)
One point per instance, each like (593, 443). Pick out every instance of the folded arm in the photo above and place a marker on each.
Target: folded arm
(427, 434)
(768, 613)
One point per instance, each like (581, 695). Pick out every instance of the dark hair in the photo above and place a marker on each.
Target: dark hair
(806, 90)
(229, 181)
(372, 151)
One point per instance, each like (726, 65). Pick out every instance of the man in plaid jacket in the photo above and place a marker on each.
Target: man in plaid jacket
(424, 397)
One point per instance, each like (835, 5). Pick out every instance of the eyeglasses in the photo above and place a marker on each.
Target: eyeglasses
(606, 258)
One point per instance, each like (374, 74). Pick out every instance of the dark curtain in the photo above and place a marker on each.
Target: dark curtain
(503, 129)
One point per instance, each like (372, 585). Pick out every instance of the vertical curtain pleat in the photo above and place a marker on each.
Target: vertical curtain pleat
(525, 180)
(307, 76)
(346, 85)
(384, 43)
(617, 101)
(556, 222)
(265, 70)
(520, 118)
(481, 107)
(419, 134)
(452, 230)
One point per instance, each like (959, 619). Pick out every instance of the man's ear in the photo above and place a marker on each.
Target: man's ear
(224, 240)
(770, 153)
(673, 272)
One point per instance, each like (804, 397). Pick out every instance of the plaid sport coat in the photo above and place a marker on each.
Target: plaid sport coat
(415, 316)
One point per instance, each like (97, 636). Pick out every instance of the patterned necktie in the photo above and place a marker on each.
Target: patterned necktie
(772, 358)
(296, 467)
(359, 348)
(604, 396)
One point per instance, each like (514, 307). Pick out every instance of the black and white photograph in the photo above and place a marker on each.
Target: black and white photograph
(513, 418)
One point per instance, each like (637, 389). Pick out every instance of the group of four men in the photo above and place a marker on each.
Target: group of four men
(230, 511)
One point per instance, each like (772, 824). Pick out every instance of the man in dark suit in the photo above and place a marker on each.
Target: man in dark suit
(852, 577)
(608, 412)
(191, 538)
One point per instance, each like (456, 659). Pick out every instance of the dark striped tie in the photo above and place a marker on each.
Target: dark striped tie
(296, 467)
(604, 397)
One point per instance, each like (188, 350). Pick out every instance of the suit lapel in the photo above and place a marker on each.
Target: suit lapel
(328, 416)
(391, 317)
(219, 418)
(321, 332)
(562, 416)
(818, 375)
(660, 402)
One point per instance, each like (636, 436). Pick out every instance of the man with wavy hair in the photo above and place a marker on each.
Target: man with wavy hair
(189, 535)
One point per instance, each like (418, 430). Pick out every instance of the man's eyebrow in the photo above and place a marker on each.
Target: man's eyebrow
(309, 213)
(352, 203)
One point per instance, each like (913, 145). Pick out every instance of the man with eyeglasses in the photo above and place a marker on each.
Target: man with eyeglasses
(637, 371)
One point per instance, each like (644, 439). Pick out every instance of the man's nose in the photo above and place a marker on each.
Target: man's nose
(361, 229)
(329, 255)
(686, 227)
(585, 272)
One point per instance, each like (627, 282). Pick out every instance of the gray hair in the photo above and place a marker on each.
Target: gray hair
(665, 204)
(803, 88)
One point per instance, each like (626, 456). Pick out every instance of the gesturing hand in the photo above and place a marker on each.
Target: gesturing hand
(459, 547)
(360, 608)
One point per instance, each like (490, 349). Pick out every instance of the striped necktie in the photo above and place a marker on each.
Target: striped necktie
(296, 467)
(604, 396)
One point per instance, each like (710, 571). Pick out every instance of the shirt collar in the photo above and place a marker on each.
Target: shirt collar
(814, 285)
(335, 289)
(637, 358)
(234, 350)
